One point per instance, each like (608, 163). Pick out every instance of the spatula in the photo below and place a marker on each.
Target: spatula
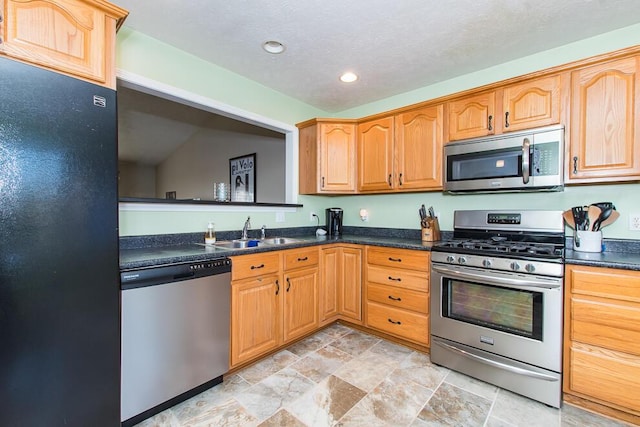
(568, 218)
(612, 218)
(593, 212)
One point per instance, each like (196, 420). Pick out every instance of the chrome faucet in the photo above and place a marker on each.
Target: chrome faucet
(263, 232)
(245, 229)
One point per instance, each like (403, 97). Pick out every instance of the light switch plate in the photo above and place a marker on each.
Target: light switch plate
(634, 221)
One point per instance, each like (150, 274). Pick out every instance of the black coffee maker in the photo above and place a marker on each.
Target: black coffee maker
(334, 222)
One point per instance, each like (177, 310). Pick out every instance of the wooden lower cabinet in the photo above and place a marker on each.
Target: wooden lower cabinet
(300, 303)
(341, 283)
(397, 293)
(274, 300)
(255, 317)
(602, 340)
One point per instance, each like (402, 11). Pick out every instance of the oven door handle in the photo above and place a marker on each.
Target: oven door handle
(494, 363)
(529, 282)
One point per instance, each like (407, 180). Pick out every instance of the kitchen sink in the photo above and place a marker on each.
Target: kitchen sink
(252, 243)
(278, 241)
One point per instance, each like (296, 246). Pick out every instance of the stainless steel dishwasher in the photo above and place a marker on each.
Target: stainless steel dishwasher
(175, 334)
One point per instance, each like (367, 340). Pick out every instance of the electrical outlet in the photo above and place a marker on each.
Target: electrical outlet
(279, 216)
(312, 217)
(634, 221)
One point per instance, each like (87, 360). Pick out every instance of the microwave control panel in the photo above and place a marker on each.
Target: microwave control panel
(544, 158)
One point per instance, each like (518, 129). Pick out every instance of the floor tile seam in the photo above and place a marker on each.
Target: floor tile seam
(490, 413)
(492, 400)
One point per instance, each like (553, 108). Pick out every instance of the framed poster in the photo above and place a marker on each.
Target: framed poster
(242, 171)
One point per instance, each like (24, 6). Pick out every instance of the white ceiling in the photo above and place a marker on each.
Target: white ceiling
(394, 45)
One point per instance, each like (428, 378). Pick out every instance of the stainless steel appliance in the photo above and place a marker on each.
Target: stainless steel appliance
(334, 221)
(520, 161)
(59, 295)
(496, 302)
(175, 334)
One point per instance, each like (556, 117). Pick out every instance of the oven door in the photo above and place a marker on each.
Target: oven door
(516, 316)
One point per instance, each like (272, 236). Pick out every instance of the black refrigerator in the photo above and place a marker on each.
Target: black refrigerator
(59, 278)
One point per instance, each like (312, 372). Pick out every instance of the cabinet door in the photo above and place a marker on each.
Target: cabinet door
(418, 149)
(71, 36)
(472, 116)
(255, 317)
(300, 302)
(330, 277)
(531, 104)
(375, 155)
(337, 158)
(605, 106)
(350, 297)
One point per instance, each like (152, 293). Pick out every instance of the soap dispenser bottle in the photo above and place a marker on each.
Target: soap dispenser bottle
(210, 234)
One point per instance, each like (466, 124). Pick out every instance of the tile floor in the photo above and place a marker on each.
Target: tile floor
(343, 377)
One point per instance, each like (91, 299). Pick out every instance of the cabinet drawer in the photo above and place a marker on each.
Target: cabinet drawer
(399, 258)
(254, 265)
(606, 323)
(298, 258)
(397, 277)
(606, 375)
(402, 323)
(404, 299)
(605, 282)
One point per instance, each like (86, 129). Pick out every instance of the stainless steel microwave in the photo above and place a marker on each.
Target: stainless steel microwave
(520, 161)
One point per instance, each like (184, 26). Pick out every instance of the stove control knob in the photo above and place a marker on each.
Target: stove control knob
(515, 266)
(530, 268)
(451, 258)
(486, 263)
(462, 260)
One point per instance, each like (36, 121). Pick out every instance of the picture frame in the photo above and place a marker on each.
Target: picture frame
(242, 173)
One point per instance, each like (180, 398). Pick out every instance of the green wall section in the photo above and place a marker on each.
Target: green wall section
(142, 55)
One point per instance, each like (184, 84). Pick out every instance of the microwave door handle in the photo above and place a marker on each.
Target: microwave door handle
(526, 161)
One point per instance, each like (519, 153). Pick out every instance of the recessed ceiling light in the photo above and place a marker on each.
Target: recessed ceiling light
(348, 77)
(273, 46)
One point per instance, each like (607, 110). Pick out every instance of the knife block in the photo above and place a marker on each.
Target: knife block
(431, 232)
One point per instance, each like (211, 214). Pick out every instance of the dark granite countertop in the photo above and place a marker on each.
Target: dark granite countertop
(155, 254)
(149, 251)
(623, 260)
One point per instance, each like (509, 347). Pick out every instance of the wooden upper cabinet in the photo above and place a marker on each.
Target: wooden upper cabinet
(472, 116)
(605, 118)
(418, 148)
(327, 158)
(75, 37)
(531, 104)
(375, 155)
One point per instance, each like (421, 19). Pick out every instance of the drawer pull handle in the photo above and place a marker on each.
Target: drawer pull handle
(303, 259)
(394, 322)
(255, 267)
(288, 284)
(506, 119)
(389, 181)
(395, 259)
(394, 298)
(490, 126)
(395, 279)
(277, 287)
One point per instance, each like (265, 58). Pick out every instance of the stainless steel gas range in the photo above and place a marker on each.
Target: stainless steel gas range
(496, 302)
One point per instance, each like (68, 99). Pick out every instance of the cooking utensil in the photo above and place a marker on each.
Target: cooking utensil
(612, 218)
(603, 216)
(604, 205)
(568, 218)
(593, 213)
(580, 218)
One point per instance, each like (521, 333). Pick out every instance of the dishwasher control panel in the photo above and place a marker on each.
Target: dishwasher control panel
(158, 275)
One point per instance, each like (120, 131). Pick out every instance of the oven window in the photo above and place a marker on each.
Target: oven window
(491, 164)
(509, 310)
